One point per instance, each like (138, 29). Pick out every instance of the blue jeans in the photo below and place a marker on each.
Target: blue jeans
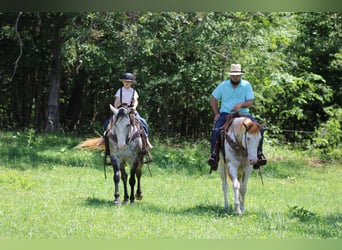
(219, 123)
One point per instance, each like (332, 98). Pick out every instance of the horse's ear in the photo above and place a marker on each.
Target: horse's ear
(114, 110)
(248, 126)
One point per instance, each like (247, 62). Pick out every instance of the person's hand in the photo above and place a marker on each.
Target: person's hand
(217, 116)
(237, 107)
(131, 108)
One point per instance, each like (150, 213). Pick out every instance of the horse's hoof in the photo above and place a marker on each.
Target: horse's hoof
(239, 212)
(116, 202)
(139, 197)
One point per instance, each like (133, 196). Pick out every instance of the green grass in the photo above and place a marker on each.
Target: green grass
(51, 191)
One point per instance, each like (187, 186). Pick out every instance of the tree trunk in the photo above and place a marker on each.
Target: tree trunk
(75, 106)
(52, 122)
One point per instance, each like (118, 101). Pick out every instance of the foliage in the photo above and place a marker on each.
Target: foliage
(327, 139)
(181, 156)
(25, 150)
(293, 61)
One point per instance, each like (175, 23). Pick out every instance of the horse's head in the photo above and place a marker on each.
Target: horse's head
(121, 126)
(250, 138)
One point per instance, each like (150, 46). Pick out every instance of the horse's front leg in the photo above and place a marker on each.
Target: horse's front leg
(233, 172)
(138, 194)
(116, 179)
(243, 187)
(223, 173)
(124, 180)
(132, 182)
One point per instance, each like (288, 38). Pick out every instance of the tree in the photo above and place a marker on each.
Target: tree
(70, 66)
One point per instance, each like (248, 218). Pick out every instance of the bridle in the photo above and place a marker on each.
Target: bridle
(234, 142)
(133, 122)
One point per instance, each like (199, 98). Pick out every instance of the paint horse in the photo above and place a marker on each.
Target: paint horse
(237, 156)
(125, 146)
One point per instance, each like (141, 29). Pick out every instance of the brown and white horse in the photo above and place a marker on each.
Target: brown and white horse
(237, 156)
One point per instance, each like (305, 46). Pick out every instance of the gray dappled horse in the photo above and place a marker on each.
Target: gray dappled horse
(241, 140)
(125, 146)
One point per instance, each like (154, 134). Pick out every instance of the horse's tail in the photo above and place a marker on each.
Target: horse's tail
(92, 144)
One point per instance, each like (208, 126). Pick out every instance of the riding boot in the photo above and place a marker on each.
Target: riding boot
(214, 156)
(213, 162)
(145, 145)
(148, 143)
(261, 160)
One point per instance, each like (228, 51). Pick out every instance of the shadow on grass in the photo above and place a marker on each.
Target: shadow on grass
(321, 226)
(41, 155)
(96, 202)
(21, 160)
(210, 210)
(199, 210)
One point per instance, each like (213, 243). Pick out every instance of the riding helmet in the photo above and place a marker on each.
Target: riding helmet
(127, 77)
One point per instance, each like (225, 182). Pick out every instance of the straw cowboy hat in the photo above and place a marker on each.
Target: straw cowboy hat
(235, 70)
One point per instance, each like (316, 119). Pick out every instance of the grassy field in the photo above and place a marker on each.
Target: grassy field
(51, 191)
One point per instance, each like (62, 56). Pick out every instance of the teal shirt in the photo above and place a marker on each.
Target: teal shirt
(230, 97)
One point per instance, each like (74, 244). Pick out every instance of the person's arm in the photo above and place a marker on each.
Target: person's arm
(245, 104)
(214, 107)
(135, 103)
(117, 102)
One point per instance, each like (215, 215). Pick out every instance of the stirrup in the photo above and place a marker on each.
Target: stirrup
(149, 157)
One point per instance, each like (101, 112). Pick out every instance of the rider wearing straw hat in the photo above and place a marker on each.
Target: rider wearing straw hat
(236, 96)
